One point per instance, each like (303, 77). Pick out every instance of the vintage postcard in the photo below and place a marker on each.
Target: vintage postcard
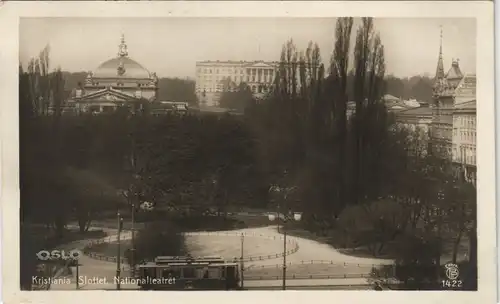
(241, 146)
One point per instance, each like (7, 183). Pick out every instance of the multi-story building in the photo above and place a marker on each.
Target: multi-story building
(415, 118)
(214, 77)
(443, 105)
(453, 127)
(464, 127)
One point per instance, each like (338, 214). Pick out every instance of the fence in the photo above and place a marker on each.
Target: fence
(321, 262)
(308, 276)
(127, 235)
(98, 256)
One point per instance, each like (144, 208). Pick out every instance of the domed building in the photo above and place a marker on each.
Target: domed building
(117, 82)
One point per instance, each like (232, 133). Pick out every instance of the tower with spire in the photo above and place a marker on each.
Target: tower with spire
(439, 78)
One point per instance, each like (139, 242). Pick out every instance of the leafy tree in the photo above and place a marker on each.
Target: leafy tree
(176, 89)
(157, 239)
(238, 99)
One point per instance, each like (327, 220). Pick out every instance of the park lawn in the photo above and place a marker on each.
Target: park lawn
(350, 241)
(46, 238)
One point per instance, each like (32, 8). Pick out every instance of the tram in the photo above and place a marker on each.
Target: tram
(185, 272)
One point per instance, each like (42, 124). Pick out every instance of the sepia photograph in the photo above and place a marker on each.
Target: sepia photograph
(249, 153)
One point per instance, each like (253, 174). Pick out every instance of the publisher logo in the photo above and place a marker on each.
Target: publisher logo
(452, 271)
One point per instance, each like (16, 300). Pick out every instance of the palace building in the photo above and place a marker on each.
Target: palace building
(214, 77)
(117, 82)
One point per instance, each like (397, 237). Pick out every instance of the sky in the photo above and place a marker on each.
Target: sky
(171, 46)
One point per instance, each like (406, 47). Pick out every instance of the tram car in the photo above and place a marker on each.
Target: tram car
(181, 273)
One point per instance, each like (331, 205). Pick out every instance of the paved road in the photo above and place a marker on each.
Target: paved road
(95, 274)
(92, 271)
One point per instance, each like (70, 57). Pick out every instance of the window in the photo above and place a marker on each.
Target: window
(201, 273)
(214, 273)
(167, 273)
(148, 272)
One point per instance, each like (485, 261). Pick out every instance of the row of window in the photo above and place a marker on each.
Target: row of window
(220, 71)
(465, 154)
(237, 79)
(219, 89)
(465, 135)
(186, 273)
(259, 72)
(121, 84)
(466, 121)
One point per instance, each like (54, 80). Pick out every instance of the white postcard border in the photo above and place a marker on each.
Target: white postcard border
(10, 13)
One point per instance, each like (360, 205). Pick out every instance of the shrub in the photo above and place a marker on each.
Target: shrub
(156, 239)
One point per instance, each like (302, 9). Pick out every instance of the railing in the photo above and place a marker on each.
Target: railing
(99, 256)
(308, 276)
(127, 235)
(319, 262)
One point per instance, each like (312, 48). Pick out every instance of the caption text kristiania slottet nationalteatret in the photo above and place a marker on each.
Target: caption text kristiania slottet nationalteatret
(85, 280)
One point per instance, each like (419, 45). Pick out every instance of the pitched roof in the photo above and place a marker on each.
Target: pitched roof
(467, 86)
(420, 111)
(390, 97)
(440, 66)
(454, 72)
(466, 105)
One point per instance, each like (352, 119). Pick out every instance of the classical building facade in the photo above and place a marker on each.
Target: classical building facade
(214, 77)
(464, 127)
(117, 82)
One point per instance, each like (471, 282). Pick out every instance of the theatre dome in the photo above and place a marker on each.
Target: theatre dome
(112, 67)
(121, 67)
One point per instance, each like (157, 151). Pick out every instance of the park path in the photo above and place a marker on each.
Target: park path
(97, 274)
(100, 274)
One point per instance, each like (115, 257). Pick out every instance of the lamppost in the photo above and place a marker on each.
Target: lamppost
(129, 195)
(118, 254)
(290, 216)
(132, 249)
(242, 267)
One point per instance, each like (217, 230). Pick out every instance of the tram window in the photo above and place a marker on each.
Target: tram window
(230, 271)
(176, 273)
(147, 272)
(214, 273)
(189, 272)
(167, 273)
